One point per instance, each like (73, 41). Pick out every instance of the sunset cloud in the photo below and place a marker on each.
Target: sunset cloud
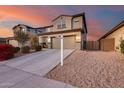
(99, 18)
(95, 29)
(23, 13)
(5, 32)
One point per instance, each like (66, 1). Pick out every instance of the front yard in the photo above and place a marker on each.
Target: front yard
(91, 69)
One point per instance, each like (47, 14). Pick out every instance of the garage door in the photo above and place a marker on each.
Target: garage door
(107, 44)
(68, 42)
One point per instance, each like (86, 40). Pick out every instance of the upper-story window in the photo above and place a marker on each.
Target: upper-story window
(61, 24)
(48, 29)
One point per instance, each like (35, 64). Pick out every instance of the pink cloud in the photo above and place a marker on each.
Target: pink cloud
(41, 15)
(2, 16)
(6, 32)
(36, 15)
(23, 14)
(95, 29)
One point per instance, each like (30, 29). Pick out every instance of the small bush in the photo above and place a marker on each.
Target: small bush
(34, 41)
(16, 49)
(122, 46)
(38, 48)
(25, 49)
(6, 52)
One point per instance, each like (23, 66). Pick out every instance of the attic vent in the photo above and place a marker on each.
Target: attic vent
(76, 21)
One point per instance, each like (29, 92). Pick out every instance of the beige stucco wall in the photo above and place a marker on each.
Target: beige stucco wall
(77, 22)
(16, 44)
(42, 38)
(76, 41)
(67, 21)
(13, 42)
(117, 35)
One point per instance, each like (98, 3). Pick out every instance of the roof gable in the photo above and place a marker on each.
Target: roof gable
(61, 16)
(113, 30)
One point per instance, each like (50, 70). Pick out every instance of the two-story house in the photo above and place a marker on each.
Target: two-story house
(72, 27)
(28, 29)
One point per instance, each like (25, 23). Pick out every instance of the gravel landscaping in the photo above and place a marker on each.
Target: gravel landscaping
(91, 69)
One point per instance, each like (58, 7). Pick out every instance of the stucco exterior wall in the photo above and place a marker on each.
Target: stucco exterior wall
(77, 22)
(76, 35)
(16, 44)
(67, 21)
(13, 42)
(118, 35)
(41, 38)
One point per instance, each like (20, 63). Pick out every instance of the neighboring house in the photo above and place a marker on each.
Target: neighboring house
(30, 30)
(12, 41)
(111, 40)
(72, 27)
(2, 40)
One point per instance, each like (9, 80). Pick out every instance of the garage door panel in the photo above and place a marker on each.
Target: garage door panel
(56, 43)
(68, 42)
(107, 44)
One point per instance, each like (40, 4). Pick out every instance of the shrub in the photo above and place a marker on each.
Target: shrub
(6, 52)
(21, 36)
(38, 48)
(34, 41)
(122, 46)
(25, 49)
(16, 49)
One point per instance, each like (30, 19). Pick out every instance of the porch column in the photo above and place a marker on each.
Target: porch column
(61, 37)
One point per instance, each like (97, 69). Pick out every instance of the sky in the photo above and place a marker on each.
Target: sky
(100, 19)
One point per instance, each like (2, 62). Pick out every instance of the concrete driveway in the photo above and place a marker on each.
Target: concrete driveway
(28, 70)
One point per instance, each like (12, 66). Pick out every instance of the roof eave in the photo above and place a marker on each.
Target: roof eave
(112, 30)
(60, 32)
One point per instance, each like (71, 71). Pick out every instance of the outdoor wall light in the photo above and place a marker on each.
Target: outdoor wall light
(78, 38)
(48, 40)
(24, 30)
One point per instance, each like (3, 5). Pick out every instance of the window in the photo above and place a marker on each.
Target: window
(61, 24)
(48, 29)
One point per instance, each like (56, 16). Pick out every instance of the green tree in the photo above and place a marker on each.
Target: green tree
(122, 46)
(21, 36)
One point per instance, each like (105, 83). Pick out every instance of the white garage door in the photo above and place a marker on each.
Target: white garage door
(69, 42)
